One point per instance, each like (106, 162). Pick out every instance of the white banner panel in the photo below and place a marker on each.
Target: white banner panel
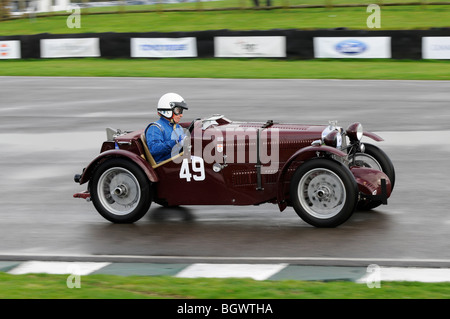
(164, 47)
(250, 47)
(73, 47)
(436, 48)
(355, 47)
(10, 49)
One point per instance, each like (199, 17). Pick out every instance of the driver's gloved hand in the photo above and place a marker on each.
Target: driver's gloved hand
(182, 139)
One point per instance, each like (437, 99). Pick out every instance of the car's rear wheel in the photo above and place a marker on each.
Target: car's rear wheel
(323, 193)
(120, 191)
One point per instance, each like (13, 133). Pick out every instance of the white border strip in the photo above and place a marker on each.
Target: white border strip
(409, 274)
(57, 267)
(254, 271)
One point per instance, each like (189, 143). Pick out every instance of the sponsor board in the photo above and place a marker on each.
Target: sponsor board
(250, 47)
(436, 47)
(10, 49)
(164, 47)
(73, 47)
(356, 47)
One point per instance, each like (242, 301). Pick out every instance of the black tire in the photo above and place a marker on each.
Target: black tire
(373, 153)
(120, 191)
(323, 193)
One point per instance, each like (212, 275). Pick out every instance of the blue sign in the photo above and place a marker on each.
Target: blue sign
(351, 47)
(163, 47)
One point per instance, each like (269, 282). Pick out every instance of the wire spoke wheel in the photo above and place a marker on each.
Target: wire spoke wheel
(365, 160)
(374, 158)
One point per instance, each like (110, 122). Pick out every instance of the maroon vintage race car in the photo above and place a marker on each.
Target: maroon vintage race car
(323, 171)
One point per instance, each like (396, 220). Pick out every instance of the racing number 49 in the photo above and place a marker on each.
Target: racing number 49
(198, 169)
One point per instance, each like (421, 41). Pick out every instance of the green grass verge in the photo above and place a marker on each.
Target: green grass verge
(232, 68)
(135, 287)
(392, 18)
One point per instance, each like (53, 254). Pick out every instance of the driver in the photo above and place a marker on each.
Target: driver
(165, 136)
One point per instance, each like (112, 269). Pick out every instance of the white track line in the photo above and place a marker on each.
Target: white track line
(409, 274)
(254, 271)
(57, 267)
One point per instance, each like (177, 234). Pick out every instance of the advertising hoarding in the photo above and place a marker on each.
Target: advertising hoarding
(250, 47)
(10, 49)
(352, 47)
(164, 47)
(436, 47)
(70, 47)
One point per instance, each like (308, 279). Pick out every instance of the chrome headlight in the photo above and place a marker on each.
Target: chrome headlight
(355, 132)
(333, 139)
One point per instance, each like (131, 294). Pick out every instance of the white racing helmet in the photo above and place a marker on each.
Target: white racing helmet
(171, 103)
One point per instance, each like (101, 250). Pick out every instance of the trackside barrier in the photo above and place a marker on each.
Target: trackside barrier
(284, 44)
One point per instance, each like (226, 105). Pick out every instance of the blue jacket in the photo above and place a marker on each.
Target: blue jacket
(162, 139)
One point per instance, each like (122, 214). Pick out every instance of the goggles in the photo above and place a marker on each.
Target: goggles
(177, 110)
(178, 107)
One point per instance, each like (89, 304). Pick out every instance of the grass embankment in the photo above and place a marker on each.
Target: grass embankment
(136, 287)
(250, 4)
(392, 18)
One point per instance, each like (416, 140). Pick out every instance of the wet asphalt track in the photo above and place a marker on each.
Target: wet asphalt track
(52, 127)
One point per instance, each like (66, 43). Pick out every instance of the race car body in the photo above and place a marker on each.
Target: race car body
(323, 171)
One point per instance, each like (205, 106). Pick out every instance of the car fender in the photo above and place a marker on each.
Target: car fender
(370, 182)
(302, 155)
(138, 160)
(373, 136)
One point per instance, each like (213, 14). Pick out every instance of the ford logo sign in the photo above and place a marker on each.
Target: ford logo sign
(351, 47)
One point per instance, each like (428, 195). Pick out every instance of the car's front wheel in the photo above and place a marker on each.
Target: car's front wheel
(120, 191)
(323, 192)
